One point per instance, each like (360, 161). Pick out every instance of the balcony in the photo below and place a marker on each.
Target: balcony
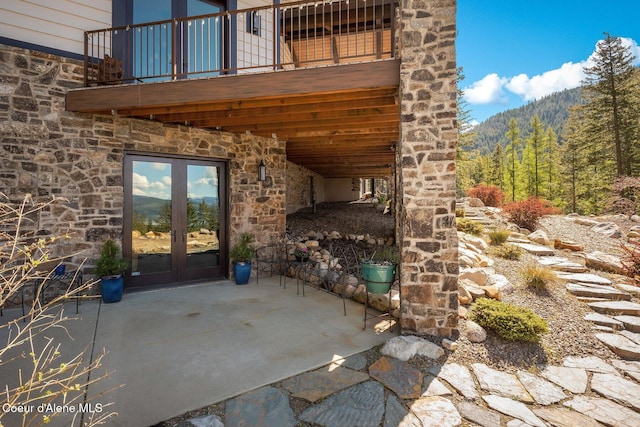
(323, 75)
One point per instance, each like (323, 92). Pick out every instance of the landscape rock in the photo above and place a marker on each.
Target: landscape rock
(623, 347)
(538, 250)
(558, 263)
(616, 307)
(397, 415)
(315, 385)
(492, 292)
(605, 262)
(479, 415)
(459, 377)
(561, 417)
(500, 282)
(464, 297)
(590, 363)
(474, 202)
(609, 229)
(432, 386)
(631, 323)
(583, 278)
(605, 411)
(542, 391)
(266, 406)
(631, 335)
(474, 332)
(513, 409)
(606, 292)
(449, 345)
(584, 221)
(398, 376)
(566, 244)
(406, 346)
(501, 383)
(205, 421)
(573, 379)
(360, 405)
(540, 237)
(479, 276)
(633, 290)
(436, 411)
(613, 387)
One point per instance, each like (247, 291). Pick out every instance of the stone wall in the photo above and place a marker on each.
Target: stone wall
(426, 167)
(298, 188)
(49, 152)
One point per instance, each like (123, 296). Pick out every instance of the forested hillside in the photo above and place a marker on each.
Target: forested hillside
(578, 149)
(552, 110)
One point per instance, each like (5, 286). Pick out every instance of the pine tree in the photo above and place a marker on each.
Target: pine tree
(608, 92)
(551, 160)
(496, 174)
(465, 139)
(512, 153)
(535, 147)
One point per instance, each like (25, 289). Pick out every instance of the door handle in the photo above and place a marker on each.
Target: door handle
(174, 236)
(184, 236)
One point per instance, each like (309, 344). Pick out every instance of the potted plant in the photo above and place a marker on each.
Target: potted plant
(241, 256)
(379, 271)
(301, 253)
(110, 268)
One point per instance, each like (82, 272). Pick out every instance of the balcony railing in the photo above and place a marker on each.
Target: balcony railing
(283, 36)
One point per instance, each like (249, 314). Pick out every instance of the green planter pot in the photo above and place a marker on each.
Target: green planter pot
(379, 278)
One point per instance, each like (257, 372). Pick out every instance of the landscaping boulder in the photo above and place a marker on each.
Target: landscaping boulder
(609, 229)
(474, 202)
(474, 332)
(605, 262)
(540, 237)
(566, 244)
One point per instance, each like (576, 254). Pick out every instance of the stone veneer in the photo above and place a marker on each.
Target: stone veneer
(47, 151)
(426, 168)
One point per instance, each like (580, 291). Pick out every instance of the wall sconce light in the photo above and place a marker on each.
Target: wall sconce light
(262, 171)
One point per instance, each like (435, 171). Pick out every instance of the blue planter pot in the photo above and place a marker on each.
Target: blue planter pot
(112, 287)
(242, 272)
(378, 277)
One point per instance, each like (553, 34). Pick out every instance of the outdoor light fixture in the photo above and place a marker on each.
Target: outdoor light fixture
(262, 171)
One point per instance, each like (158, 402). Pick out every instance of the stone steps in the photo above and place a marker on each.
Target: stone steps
(620, 345)
(605, 292)
(616, 307)
(563, 264)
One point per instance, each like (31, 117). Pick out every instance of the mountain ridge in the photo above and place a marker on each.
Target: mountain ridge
(553, 110)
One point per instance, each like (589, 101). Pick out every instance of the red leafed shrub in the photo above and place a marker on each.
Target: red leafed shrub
(631, 260)
(489, 194)
(526, 213)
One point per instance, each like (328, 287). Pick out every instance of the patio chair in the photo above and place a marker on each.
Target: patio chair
(273, 258)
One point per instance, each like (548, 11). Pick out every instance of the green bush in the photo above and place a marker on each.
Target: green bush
(508, 251)
(469, 226)
(509, 321)
(498, 237)
(460, 213)
(538, 277)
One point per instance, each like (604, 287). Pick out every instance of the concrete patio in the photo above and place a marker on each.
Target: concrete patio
(178, 349)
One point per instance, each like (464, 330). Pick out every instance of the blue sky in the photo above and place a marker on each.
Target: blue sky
(153, 179)
(516, 51)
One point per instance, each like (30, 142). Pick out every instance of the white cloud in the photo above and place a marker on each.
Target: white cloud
(568, 76)
(489, 90)
(635, 49)
(140, 181)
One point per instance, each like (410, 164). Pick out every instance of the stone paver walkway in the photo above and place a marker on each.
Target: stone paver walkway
(586, 391)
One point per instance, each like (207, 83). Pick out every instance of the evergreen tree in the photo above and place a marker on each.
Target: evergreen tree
(496, 174)
(465, 139)
(512, 153)
(552, 160)
(164, 223)
(608, 91)
(535, 147)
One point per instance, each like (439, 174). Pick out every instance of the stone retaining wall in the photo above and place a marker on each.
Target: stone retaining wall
(47, 151)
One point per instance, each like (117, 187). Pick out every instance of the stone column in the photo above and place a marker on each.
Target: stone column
(426, 168)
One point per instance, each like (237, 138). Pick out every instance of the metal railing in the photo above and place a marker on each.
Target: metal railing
(269, 38)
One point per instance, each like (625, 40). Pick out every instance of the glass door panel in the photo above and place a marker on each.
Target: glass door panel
(152, 218)
(151, 45)
(203, 216)
(204, 39)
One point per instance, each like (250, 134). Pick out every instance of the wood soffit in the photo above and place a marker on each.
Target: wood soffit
(339, 121)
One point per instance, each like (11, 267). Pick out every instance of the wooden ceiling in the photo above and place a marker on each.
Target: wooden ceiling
(338, 121)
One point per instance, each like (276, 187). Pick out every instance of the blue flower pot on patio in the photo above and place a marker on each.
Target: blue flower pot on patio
(242, 272)
(112, 287)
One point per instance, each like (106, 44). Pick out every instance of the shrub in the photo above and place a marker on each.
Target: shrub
(469, 226)
(631, 260)
(489, 194)
(527, 213)
(498, 237)
(507, 251)
(460, 213)
(508, 321)
(538, 277)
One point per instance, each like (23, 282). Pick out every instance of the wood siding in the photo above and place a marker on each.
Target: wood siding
(56, 24)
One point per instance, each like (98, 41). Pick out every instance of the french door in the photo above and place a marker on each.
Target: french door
(174, 222)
